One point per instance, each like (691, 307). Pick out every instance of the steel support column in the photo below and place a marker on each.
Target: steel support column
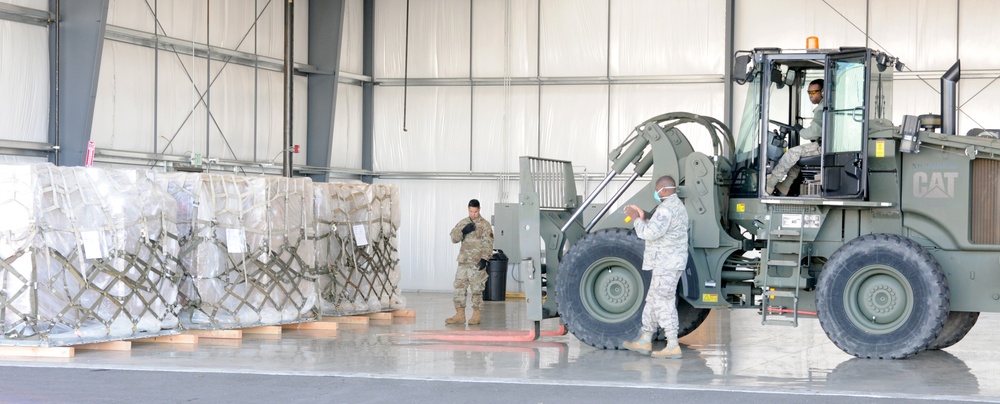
(727, 117)
(368, 92)
(326, 22)
(76, 41)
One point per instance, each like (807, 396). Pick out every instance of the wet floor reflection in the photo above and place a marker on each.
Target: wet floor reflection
(731, 350)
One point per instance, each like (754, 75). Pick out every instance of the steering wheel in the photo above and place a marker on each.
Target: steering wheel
(786, 128)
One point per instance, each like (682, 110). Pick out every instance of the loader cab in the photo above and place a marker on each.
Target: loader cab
(857, 88)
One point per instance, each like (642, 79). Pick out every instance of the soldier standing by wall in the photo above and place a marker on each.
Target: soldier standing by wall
(666, 254)
(476, 236)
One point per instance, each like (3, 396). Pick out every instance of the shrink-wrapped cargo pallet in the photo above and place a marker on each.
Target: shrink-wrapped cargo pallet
(246, 249)
(94, 244)
(357, 258)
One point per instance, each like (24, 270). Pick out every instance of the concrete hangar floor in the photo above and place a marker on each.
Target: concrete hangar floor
(730, 358)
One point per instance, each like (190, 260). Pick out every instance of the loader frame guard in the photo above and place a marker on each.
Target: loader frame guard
(552, 218)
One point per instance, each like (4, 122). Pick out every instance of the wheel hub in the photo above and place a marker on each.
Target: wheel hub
(877, 299)
(611, 289)
(881, 299)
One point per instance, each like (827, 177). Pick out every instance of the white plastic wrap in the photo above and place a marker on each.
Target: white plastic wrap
(246, 248)
(357, 257)
(99, 247)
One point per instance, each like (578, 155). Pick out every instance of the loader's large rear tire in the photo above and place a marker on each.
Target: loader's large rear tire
(882, 296)
(601, 290)
(958, 324)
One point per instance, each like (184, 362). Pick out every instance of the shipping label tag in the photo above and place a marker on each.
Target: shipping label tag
(91, 244)
(235, 241)
(360, 238)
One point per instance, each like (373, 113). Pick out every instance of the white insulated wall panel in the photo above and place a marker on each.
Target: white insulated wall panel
(923, 33)
(123, 114)
(787, 23)
(427, 257)
(656, 37)
(345, 150)
(505, 38)
(573, 125)
(24, 81)
(437, 122)
(574, 38)
(978, 30)
(438, 38)
(504, 127)
(352, 45)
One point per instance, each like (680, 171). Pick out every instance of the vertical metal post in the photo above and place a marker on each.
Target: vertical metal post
(286, 166)
(76, 43)
(326, 22)
(728, 74)
(368, 91)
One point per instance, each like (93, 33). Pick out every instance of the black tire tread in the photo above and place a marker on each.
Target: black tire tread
(958, 324)
(923, 337)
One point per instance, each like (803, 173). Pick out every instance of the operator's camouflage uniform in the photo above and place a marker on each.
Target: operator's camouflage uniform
(666, 235)
(793, 155)
(475, 246)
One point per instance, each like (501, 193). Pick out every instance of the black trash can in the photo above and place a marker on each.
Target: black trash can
(496, 284)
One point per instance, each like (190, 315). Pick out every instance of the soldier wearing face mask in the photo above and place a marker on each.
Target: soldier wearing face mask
(666, 255)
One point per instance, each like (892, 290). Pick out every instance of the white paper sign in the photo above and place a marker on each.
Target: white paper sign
(360, 238)
(91, 245)
(235, 241)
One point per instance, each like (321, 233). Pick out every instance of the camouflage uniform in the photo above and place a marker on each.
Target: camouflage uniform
(794, 154)
(666, 254)
(475, 246)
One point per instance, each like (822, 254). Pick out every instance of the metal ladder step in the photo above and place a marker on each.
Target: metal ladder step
(783, 263)
(778, 320)
(780, 293)
(783, 232)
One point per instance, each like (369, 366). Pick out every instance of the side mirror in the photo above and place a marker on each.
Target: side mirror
(743, 68)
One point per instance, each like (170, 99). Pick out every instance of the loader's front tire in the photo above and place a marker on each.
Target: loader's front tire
(601, 290)
(882, 296)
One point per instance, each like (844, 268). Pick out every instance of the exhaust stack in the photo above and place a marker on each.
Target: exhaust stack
(949, 84)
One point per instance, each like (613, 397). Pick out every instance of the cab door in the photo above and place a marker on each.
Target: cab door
(845, 125)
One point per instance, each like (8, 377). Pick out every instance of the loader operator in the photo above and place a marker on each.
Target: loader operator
(476, 237)
(666, 254)
(779, 175)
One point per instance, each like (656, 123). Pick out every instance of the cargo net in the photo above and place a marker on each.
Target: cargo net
(357, 261)
(84, 256)
(246, 249)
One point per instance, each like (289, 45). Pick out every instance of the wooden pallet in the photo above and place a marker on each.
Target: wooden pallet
(38, 352)
(347, 319)
(107, 346)
(266, 330)
(313, 326)
(404, 313)
(171, 339)
(223, 334)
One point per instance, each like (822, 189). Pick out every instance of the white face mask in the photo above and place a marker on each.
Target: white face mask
(656, 195)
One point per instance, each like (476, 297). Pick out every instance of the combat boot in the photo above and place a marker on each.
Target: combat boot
(459, 317)
(475, 316)
(672, 351)
(785, 186)
(644, 345)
